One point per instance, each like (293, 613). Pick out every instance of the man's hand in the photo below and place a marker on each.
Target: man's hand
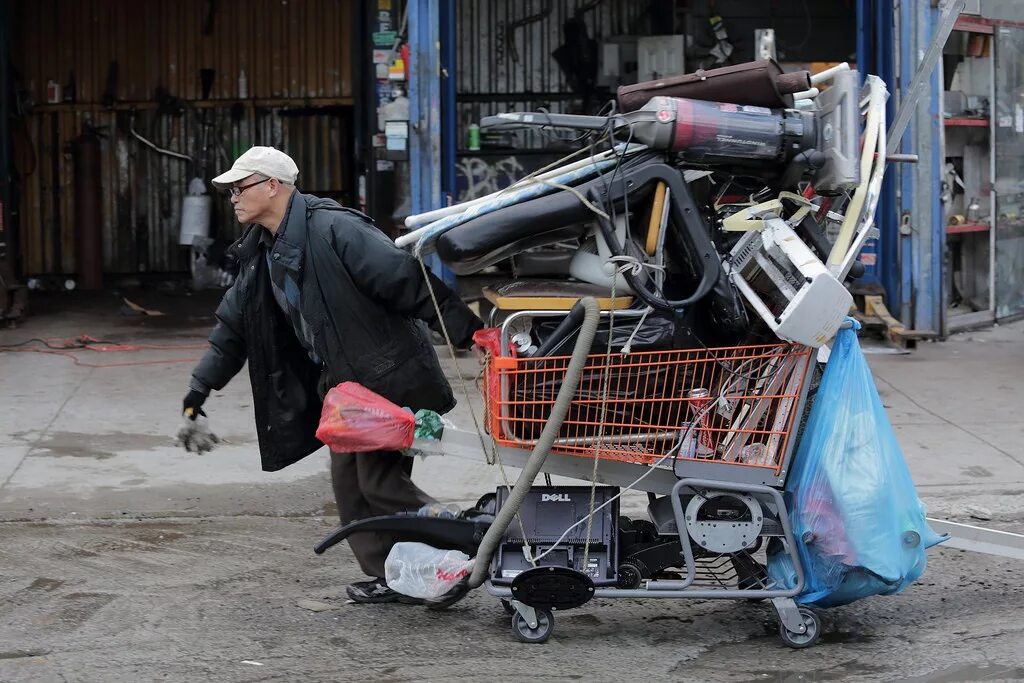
(195, 435)
(192, 405)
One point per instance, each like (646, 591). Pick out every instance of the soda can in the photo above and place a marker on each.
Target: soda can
(699, 399)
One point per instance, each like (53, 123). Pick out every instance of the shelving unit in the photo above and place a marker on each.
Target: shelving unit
(966, 228)
(967, 140)
(968, 122)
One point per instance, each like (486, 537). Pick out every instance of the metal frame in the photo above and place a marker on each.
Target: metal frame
(782, 598)
(506, 347)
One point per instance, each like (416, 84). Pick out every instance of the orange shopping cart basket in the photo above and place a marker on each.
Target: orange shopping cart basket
(733, 407)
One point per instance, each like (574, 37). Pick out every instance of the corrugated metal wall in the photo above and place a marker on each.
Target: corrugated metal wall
(296, 58)
(142, 190)
(504, 51)
(287, 48)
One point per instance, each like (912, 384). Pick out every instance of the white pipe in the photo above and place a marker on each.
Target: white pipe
(422, 219)
(879, 97)
(806, 94)
(828, 74)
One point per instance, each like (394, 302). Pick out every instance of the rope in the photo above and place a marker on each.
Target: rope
(469, 399)
(629, 487)
(579, 195)
(605, 390)
(635, 266)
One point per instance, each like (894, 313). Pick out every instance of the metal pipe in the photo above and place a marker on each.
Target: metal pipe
(806, 94)
(827, 74)
(160, 150)
(420, 221)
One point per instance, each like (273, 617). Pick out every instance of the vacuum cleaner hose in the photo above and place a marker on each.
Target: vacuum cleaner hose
(508, 511)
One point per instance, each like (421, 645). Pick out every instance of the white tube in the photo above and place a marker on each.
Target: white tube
(421, 219)
(867, 218)
(806, 94)
(828, 74)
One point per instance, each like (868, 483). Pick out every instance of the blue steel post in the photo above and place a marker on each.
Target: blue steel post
(887, 218)
(449, 126)
(924, 239)
(908, 47)
(930, 306)
(416, 122)
(425, 114)
(933, 317)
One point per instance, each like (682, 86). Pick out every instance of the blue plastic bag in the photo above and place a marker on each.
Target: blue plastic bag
(859, 525)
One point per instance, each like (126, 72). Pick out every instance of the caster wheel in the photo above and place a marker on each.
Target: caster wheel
(507, 606)
(808, 637)
(545, 625)
(630, 575)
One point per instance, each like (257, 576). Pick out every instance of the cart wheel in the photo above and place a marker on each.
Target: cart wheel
(808, 637)
(545, 625)
(507, 606)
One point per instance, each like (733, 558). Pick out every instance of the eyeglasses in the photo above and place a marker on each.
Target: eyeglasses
(237, 190)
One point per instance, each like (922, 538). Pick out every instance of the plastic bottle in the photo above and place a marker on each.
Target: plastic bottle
(440, 510)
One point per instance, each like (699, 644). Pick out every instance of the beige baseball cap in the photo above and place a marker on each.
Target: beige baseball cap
(267, 161)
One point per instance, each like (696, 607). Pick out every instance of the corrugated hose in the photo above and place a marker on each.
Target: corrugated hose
(566, 393)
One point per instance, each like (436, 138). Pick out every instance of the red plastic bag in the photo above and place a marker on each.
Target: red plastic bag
(489, 340)
(356, 420)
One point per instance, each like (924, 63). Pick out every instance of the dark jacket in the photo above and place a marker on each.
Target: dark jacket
(361, 296)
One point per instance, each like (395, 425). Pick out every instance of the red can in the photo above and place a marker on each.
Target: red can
(699, 400)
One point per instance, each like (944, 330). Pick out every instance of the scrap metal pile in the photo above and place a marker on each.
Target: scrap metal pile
(731, 203)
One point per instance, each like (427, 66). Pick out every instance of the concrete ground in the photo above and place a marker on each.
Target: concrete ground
(124, 558)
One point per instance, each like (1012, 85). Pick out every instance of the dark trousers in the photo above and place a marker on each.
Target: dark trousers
(368, 485)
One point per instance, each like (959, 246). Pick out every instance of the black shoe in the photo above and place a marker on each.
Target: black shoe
(459, 591)
(377, 591)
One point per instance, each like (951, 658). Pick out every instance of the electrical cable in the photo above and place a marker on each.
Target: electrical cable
(65, 347)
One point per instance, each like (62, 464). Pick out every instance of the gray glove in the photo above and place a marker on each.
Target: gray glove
(195, 435)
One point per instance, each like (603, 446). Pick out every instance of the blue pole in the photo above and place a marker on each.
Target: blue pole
(887, 217)
(931, 316)
(907, 172)
(425, 150)
(449, 123)
(416, 160)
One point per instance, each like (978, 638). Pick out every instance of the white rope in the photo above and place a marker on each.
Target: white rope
(634, 267)
(629, 487)
(465, 390)
(627, 348)
(579, 195)
(605, 390)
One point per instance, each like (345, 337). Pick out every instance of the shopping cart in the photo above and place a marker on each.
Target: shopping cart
(709, 433)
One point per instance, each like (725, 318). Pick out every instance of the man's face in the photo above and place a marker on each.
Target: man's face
(251, 198)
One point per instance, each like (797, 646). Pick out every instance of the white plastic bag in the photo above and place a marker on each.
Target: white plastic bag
(422, 571)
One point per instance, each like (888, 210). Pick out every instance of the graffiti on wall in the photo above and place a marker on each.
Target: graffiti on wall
(478, 177)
